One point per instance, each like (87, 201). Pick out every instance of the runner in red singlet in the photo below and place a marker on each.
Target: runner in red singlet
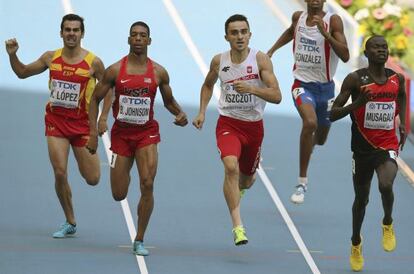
(135, 133)
(73, 73)
(378, 97)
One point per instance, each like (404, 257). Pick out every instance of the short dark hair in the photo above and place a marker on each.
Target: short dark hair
(142, 24)
(372, 37)
(72, 17)
(234, 18)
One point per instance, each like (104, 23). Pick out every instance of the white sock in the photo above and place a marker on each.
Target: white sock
(303, 181)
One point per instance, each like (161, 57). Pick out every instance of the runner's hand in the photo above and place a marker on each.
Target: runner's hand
(11, 46)
(403, 136)
(92, 144)
(102, 126)
(242, 87)
(320, 24)
(181, 119)
(199, 121)
(364, 96)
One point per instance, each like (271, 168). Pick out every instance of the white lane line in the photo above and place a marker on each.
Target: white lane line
(278, 13)
(67, 7)
(406, 171)
(285, 215)
(197, 56)
(125, 206)
(298, 251)
(189, 42)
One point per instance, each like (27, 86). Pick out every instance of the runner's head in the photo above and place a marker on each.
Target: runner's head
(237, 31)
(72, 30)
(376, 49)
(234, 18)
(142, 24)
(139, 37)
(72, 17)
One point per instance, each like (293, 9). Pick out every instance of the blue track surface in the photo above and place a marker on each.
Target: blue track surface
(190, 230)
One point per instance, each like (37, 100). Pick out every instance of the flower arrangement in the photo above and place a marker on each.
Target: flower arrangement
(388, 18)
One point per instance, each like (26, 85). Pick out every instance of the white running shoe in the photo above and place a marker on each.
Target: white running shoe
(299, 196)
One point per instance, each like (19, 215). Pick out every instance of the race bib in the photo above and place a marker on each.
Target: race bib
(134, 110)
(309, 53)
(113, 160)
(330, 104)
(235, 100)
(380, 115)
(64, 94)
(296, 92)
(393, 154)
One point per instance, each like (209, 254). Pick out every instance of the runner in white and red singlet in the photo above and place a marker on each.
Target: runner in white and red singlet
(378, 97)
(135, 133)
(247, 82)
(318, 41)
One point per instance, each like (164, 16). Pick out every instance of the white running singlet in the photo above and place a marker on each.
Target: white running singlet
(246, 107)
(315, 60)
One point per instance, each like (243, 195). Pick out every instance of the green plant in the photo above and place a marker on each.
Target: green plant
(386, 18)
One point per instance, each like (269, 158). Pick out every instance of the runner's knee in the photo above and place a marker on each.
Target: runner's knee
(361, 202)
(309, 125)
(385, 187)
(231, 169)
(320, 140)
(60, 175)
(92, 181)
(147, 185)
(118, 196)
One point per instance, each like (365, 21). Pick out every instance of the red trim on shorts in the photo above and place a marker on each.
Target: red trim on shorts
(327, 60)
(293, 49)
(297, 84)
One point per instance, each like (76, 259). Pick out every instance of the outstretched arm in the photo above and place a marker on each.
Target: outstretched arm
(167, 96)
(271, 93)
(350, 84)
(207, 91)
(21, 70)
(286, 36)
(401, 100)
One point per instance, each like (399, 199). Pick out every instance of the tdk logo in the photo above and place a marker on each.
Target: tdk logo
(384, 106)
(65, 85)
(136, 101)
